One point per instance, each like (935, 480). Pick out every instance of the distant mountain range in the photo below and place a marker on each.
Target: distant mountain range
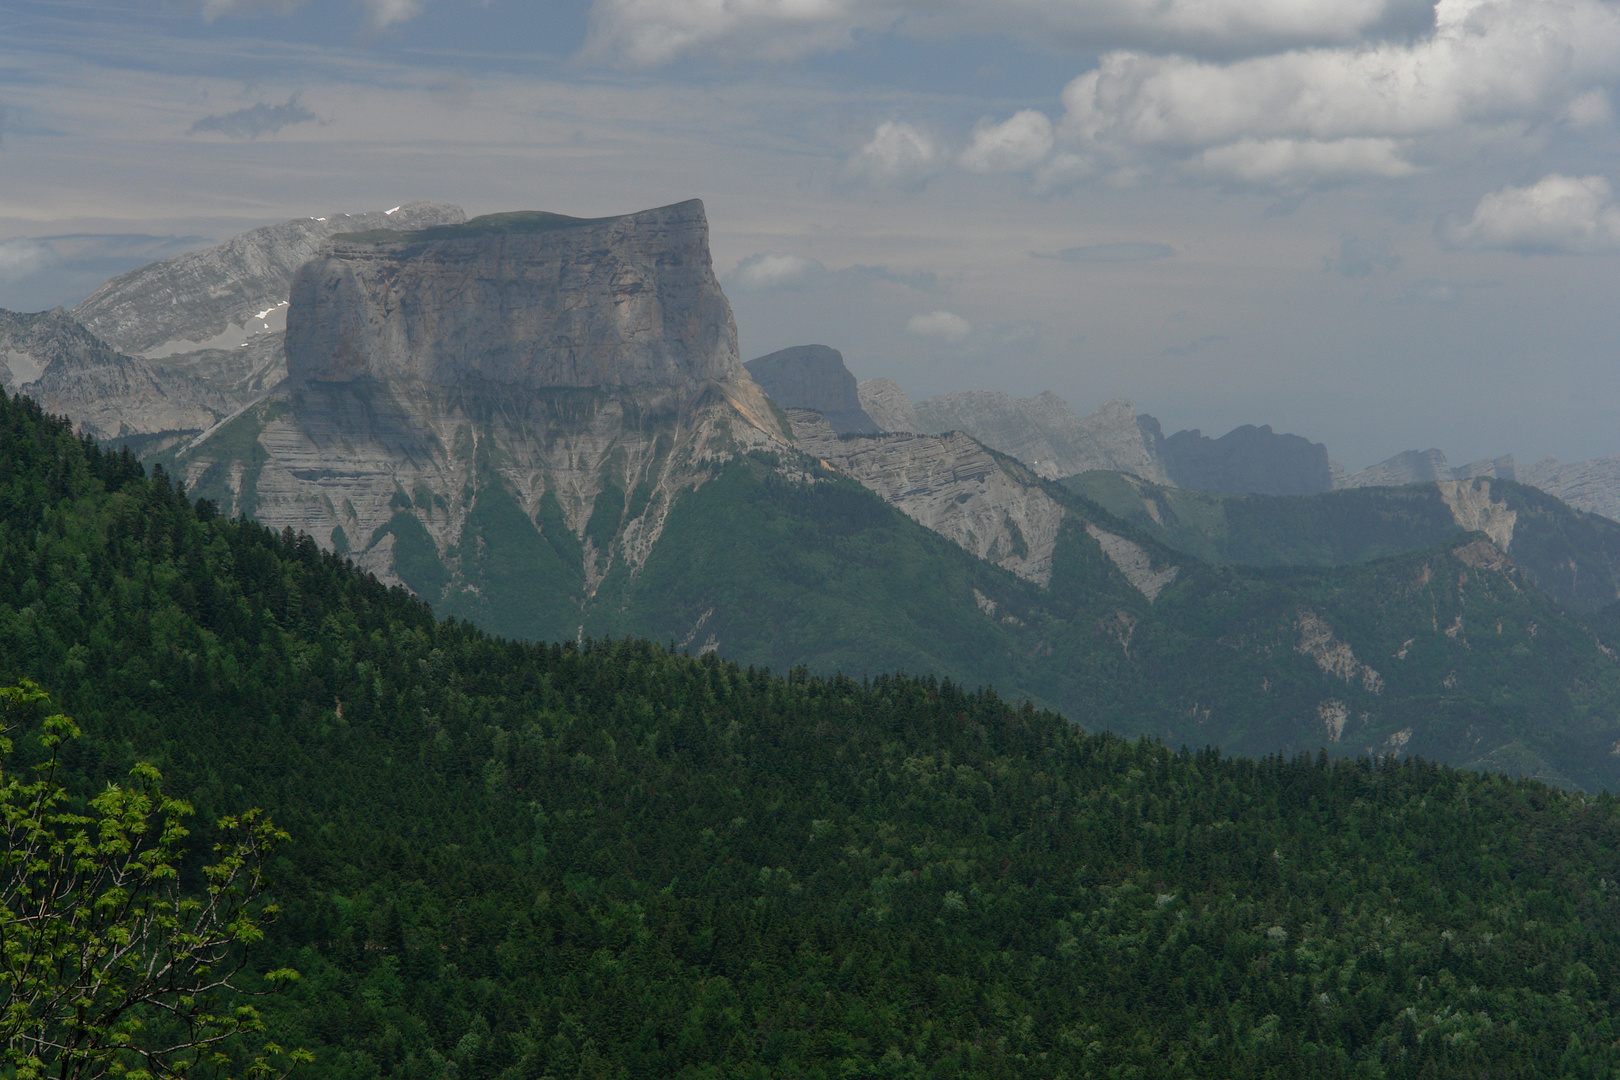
(542, 424)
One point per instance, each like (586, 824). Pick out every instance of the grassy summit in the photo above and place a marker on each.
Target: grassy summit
(514, 221)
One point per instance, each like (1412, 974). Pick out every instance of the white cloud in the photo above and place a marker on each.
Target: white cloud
(771, 271)
(649, 32)
(1019, 143)
(899, 155)
(21, 257)
(1271, 161)
(1313, 113)
(1556, 214)
(943, 325)
(385, 13)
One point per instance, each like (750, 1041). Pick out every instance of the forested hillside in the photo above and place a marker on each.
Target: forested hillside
(515, 861)
(1572, 556)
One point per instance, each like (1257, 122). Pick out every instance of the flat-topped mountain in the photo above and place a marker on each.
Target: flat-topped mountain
(814, 377)
(521, 299)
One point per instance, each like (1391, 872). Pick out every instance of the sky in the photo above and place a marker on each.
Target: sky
(1381, 224)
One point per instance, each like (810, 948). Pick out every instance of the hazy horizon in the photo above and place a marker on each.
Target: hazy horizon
(1384, 226)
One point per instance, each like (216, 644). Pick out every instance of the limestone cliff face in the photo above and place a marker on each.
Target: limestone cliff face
(1411, 467)
(461, 395)
(225, 295)
(1593, 486)
(523, 300)
(885, 401)
(364, 467)
(814, 377)
(1045, 434)
(950, 484)
(113, 397)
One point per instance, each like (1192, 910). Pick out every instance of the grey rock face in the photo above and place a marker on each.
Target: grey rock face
(1045, 434)
(885, 401)
(814, 377)
(228, 294)
(1411, 467)
(527, 299)
(949, 484)
(1593, 486)
(1501, 468)
(1247, 459)
(331, 459)
(113, 397)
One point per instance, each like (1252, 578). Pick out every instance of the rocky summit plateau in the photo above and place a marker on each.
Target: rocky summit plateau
(620, 301)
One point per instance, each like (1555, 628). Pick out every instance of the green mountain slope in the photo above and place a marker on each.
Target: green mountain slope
(516, 861)
(698, 538)
(1570, 555)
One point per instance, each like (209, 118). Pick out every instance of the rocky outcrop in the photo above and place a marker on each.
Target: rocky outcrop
(462, 394)
(1133, 561)
(229, 294)
(950, 484)
(1476, 508)
(1411, 467)
(524, 299)
(342, 460)
(1593, 486)
(1045, 434)
(885, 401)
(110, 396)
(1247, 460)
(1501, 468)
(814, 377)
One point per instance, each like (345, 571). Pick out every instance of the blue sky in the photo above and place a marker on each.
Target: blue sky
(1382, 224)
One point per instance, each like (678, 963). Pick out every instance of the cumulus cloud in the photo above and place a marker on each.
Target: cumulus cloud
(649, 32)
(1555, 215)
(253, 121)
(899, 155)
(771, 271)
(1351, 111)
(1359, 258)
(1270, 161)
(1019, 143)
(941, 325)
(1129, 251)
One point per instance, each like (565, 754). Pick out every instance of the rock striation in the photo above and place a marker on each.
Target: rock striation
(885, 401)
(814, 377)
(1411, 467)
(229, 294)
(498, 414)
(110, 396)
(950, 484)
(1044, 433)
(1593, 486)
(524, 299)
(1246, 460)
